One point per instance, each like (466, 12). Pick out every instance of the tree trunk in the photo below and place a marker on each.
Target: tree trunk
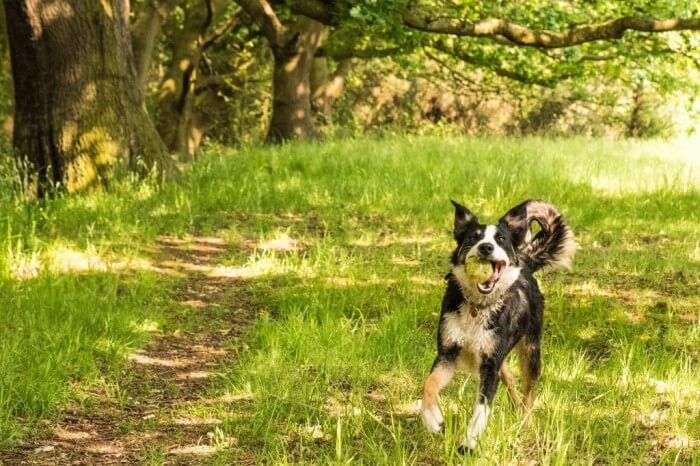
(7, 122)
(206, 104)
(79, 113)
(144, 34)
(637, 123)
(175, 112)
(326, 88)
(291, 94)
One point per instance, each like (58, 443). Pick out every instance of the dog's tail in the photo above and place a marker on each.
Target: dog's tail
(553, 245)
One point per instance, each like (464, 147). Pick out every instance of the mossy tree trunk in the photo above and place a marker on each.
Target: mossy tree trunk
(79, 111)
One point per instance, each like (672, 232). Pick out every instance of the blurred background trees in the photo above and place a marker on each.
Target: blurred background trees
(248, 71)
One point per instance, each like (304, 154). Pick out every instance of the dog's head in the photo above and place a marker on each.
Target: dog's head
(495, 244)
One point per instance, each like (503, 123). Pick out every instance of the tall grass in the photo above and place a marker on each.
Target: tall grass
(347, 320)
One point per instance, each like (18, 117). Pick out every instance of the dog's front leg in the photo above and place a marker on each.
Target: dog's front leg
(442, 372)
(488, 383)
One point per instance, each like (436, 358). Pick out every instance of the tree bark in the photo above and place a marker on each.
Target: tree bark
(293, 48)
(144, 34)
(291, 88)
(175, 103)
(326, 88)
(79, 114)
(7, 122)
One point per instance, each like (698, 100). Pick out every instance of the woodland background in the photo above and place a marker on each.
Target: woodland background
(240, 73)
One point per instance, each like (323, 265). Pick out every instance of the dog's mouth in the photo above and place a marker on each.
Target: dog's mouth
(497, 269)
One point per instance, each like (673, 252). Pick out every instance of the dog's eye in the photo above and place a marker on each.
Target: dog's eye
(474, 236)
(500, 238)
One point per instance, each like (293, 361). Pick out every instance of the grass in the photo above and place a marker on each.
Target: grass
(348, 310)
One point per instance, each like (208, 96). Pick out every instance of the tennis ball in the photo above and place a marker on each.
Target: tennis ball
(477, 270)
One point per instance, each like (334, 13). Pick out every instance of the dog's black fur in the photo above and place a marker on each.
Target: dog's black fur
(481, 324)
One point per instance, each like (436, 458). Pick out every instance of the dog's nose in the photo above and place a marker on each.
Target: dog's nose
(486, 248)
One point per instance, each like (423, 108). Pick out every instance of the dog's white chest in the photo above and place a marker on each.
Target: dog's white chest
(471, 334)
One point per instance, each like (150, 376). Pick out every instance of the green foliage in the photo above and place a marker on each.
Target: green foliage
(587, 72)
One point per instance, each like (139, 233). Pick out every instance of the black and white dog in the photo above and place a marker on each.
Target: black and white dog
(481, 322)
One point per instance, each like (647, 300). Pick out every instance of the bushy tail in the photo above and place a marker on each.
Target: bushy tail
(554, 244)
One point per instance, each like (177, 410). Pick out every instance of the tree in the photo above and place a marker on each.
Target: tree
(606, 43)
(79, 112)
(178, 121)
(293, 46)
(327, 86)
(197, 44)
(535, 45)
(145, 30)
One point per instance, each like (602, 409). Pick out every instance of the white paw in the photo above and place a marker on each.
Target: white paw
(469, 443)
(432, 418)
(477, 424)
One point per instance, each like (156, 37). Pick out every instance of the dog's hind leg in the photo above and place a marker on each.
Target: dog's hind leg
(529, 355)
(509, 382)
(440, 376)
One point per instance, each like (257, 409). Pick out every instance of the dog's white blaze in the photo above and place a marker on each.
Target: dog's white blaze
(511, 273)
(432, 418)
(498, 254)
(477, 424)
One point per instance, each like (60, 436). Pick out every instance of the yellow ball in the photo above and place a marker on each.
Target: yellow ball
(477, 270)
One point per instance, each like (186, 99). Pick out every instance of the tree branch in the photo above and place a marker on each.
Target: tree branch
(334, 84)
(210, 15)
(262, 13)
(462, 79)
(223, 28)
(458, 75)
(315, 9)
(517, 34)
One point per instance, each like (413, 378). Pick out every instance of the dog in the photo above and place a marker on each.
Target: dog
(482, 321)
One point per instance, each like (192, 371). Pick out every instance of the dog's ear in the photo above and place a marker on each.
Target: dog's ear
(517, 222)
(463, 217)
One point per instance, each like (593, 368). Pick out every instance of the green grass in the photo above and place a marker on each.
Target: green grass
(346, 328)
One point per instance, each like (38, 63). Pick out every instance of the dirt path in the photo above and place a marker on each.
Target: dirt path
(158, 413)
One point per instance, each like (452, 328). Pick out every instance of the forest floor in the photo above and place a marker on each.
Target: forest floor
(279, 305)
